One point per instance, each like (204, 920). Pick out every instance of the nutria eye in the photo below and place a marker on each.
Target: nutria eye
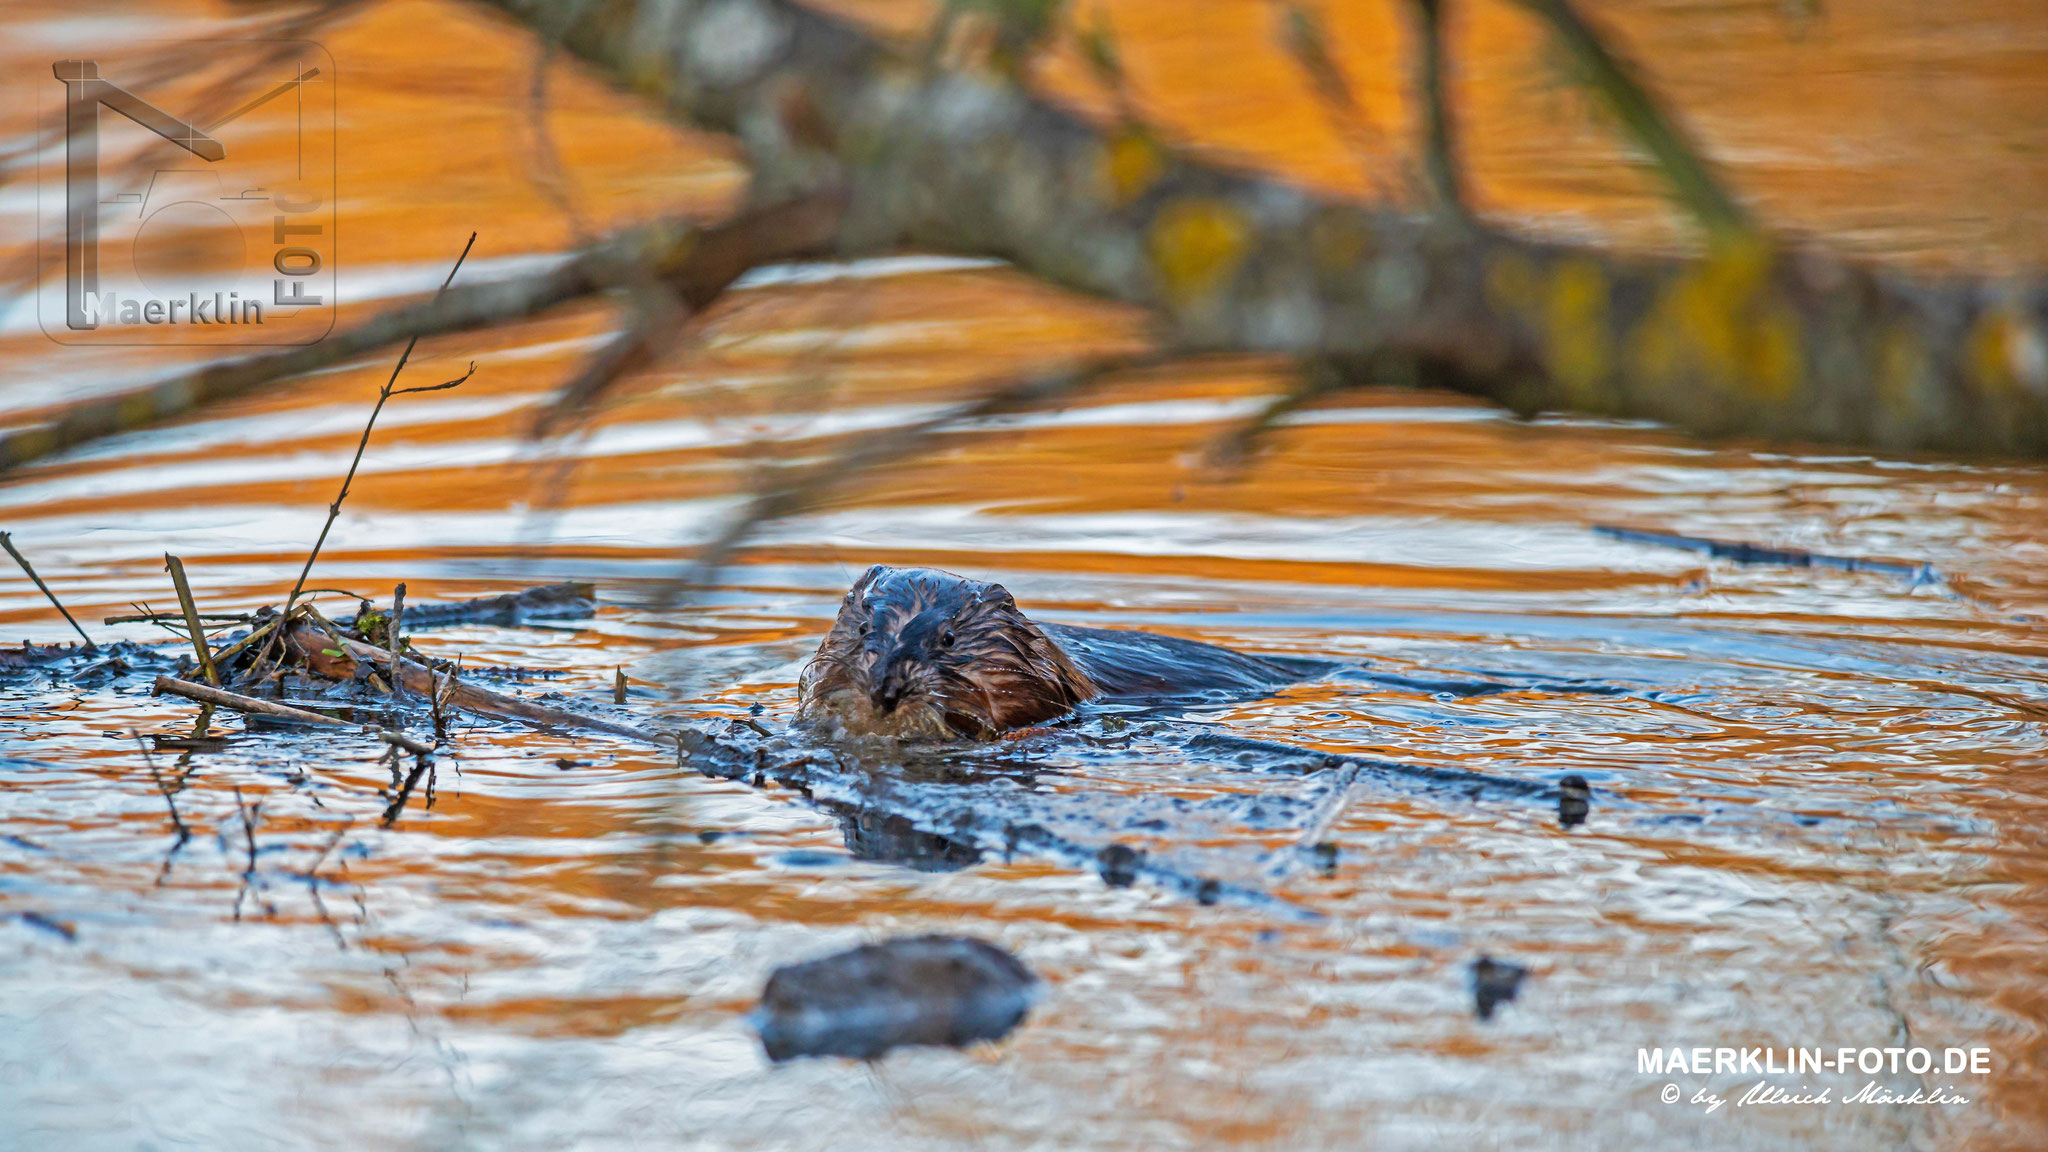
(866, 628)
(946, 640)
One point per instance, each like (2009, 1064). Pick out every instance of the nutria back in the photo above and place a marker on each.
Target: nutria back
(1144, 665)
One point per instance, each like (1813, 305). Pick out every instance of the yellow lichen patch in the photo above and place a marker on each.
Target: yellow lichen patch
(1720, 321)
(2006, 353)
(1131, 163)
(1197, 244)
(1575, 331)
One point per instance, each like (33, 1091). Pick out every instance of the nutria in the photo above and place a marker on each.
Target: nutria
(917, 652)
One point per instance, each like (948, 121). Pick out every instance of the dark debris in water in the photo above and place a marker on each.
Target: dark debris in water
(162, 742)
(573, 601)
(53, 926)
(1119, 865)
(1742, 552)
(1325, 854)
(1574, 801)
(78, 664)
(1494, 982)
(948, 991)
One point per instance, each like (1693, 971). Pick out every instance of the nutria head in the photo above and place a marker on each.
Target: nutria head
(917, 652)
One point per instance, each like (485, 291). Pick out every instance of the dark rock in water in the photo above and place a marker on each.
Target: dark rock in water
(1494, 982)
(936, 990)
(1574, 800)
(1119, 865)
(1325, 855)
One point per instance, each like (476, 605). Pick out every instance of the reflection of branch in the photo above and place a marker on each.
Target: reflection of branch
(1308, 42)
(697, 263)
(1235, 444)
(808, 486)
(312, 878)
(169, 794)
(251, 814)
(544, 166)
(1609, 74)
(1440, 139)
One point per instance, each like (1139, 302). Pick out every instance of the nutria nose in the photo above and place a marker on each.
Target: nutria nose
(887, 695)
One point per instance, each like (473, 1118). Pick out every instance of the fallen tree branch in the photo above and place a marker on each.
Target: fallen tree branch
(315, 651)
(1749, 338)
(221, 697)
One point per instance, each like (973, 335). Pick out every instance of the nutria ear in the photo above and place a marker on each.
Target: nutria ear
(997, 594)
(867, 578)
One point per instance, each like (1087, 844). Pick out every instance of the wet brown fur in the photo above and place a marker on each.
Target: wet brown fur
(920, 653)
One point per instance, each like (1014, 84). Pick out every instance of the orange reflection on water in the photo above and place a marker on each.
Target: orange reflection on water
(584, 939)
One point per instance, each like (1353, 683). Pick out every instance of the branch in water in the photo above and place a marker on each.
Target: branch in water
(696, 263)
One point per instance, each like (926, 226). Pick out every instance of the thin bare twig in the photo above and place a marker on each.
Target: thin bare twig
(437, 696)
(384, 396)
(176, 568)
(226, 657)
(145, 616)
(392, 634)
(7, 542)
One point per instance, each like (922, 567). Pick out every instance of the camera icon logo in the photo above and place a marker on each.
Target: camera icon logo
(211, 227)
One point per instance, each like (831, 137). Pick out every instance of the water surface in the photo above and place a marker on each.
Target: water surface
(1821, 791)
